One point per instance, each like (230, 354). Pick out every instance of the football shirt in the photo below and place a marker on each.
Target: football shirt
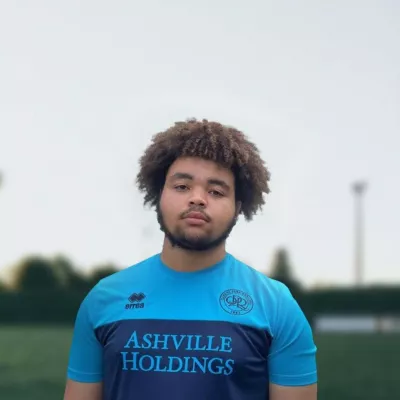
(225, 332)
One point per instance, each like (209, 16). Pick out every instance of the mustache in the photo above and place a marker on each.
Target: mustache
(198, 210)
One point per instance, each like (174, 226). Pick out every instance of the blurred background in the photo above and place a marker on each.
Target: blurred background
(83, 87)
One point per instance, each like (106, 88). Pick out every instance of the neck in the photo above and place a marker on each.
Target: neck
(189, 261)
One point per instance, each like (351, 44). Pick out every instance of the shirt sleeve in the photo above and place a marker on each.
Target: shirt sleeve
(86, 353)
(292, 358)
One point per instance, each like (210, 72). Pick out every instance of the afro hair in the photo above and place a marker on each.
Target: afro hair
(213, 141)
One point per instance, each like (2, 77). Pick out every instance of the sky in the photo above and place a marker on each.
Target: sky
(316, 85)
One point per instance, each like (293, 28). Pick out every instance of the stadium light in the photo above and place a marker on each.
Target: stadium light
(359, 190)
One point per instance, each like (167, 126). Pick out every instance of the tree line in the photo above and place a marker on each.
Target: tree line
(35, 274)
(47, 290)
(50, 290)
(38, 274)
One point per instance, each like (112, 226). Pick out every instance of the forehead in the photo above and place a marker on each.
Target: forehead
(200, 168)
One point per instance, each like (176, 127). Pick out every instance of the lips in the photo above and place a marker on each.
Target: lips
(196, 215)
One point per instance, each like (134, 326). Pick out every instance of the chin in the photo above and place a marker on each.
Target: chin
(194, 240)
(196, 235)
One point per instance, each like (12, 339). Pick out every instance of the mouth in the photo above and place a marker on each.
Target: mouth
(196, 215)
(195, 218)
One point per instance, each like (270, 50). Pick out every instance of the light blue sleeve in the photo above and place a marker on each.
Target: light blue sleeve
(86, 353)
(292, 359)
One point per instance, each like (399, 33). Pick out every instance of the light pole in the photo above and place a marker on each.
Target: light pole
(359, 190)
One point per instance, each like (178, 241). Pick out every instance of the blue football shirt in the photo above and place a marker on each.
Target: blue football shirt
(225, 332)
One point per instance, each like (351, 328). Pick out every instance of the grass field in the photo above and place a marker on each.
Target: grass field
(351, 367)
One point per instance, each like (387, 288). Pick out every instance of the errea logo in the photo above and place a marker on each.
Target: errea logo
(135, 301)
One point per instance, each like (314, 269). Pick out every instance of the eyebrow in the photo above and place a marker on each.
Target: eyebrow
(181, 175)
(211, 181)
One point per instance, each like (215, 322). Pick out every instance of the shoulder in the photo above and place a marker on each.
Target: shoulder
(270, 297)
(117, 282)
(262, 283)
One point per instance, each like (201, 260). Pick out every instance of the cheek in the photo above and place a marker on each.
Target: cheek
(226, 212)
(168, 206)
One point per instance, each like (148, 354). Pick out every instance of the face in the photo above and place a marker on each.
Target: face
(197, 208)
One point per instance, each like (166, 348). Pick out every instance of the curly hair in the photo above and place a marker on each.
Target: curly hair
(213, 141)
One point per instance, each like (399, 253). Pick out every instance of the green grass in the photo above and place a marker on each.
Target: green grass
(33, 365)
(33, 362)
(358, 367)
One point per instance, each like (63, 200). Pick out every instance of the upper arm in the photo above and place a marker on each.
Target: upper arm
(308, 392)
(85, 364)
(82, 391)
(292, 359)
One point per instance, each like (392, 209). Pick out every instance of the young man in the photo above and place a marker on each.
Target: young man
(194, 322)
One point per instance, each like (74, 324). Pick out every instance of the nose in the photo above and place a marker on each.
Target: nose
(197, 198)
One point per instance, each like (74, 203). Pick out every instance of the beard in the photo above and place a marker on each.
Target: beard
(193, 243)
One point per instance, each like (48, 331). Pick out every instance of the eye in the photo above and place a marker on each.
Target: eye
(216, 193)
(181, 188)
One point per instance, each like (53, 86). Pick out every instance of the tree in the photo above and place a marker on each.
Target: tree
(3, 287)
(35, 274)
(68, 275)
(100, 272)
(282, 271)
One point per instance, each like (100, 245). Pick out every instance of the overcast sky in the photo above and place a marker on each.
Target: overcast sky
(85, 84)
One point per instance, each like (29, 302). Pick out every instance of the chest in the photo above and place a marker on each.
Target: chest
(184, 347)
